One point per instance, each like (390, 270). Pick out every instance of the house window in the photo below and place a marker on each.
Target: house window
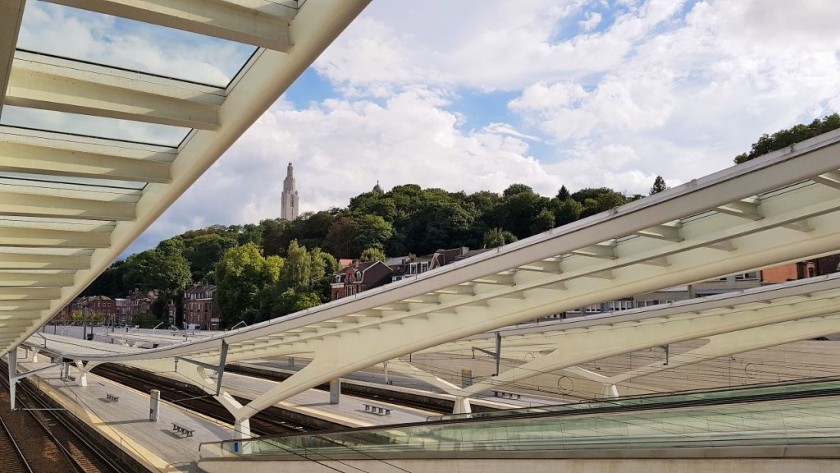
(619, 305)
(424, 267)
(593, 308)
(412, 268)
(751, 276)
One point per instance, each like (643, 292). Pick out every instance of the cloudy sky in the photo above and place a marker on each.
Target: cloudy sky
(478, 94)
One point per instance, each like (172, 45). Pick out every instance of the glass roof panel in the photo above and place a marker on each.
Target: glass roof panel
(84, 181)
(74, 225)
(111, 128)
(70, 190)
(118, 42)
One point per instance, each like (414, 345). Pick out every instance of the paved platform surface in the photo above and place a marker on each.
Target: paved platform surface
(350, 411)
(156, 444)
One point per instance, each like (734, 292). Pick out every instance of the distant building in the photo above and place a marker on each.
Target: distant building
(121, 306)
(289, 199)
(356, 276)
(413, 265)
(359, 277)
(201, 310)
(140, 304)
(730, 283)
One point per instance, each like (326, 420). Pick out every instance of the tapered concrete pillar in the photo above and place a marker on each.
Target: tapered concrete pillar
(462, 405)
(335, 390)
(242, 428)
(82, 381)
(12, 373)
(154, 405)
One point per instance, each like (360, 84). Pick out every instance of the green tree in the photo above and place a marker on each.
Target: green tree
(241, 276)
(297, 270)
(498, 237)
(518, 210)
(350, 235)
(110, 283)
(563, 194)
(543, 222)
(324, 265)
(784, 138)
(566, 211)
(163, 269)
(373, 254)
(658, 185)
(204, 251)
(597, 200)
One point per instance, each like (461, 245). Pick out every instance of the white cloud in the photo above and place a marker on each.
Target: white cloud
(607, 93)
(593, 19)
(341, 148)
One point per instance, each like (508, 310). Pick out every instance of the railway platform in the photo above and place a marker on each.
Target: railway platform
(172, 443)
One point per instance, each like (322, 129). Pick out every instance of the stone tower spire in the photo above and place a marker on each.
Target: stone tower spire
(289, 200)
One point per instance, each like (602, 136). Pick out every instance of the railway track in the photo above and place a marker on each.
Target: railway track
(272, 421)
(390, 396)
(10, 452)
(48, 441)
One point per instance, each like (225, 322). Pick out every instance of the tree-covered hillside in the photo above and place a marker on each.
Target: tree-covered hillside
(278, 266)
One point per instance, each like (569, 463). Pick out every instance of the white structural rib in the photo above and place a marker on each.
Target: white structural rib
(69, 204)
(45, 82)
(263, 23)
(11, 14)
(32, 155)
(29, 237)
(734, 323)
(35, 205)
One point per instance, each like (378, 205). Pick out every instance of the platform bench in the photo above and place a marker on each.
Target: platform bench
(111, 397)
(506, 395)
(182, 430)
(383, 411)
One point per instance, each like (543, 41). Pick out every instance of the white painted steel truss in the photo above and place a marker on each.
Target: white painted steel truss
(62, 220)
(732, 323)
(782, 207)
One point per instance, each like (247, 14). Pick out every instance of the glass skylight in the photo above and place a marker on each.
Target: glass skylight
(83, 181)
(111, 128)
(111, 41)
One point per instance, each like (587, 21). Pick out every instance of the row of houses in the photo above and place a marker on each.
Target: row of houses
(357, 276)
(734, 282)
(103, 309)
(200, 307)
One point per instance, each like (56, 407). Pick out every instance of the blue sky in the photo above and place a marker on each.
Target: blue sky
(478, 94)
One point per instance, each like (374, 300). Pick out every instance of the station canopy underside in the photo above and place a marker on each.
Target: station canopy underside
(92, 153)
(779, 208)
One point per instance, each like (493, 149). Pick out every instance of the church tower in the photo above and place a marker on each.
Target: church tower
(289, 200)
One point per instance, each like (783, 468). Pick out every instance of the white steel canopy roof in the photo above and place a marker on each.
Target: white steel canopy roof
(128, 143)
(782, 207)
(779, 208)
